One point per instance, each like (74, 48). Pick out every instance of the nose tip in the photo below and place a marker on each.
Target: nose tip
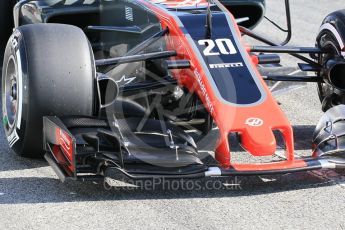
(259, 141)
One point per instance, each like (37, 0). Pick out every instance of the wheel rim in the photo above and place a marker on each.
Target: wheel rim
(10, 94)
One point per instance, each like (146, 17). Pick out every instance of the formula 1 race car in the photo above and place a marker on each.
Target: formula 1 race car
(140, 87)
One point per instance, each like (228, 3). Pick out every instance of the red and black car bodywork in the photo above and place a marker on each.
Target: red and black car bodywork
(201, 51)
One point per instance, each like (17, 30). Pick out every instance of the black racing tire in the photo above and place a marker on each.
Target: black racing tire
(6, 24)
(331, 37)
(49, 70)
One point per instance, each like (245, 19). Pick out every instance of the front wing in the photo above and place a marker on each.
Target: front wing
(72, 157)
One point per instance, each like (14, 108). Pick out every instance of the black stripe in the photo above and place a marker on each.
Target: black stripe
(235, 84)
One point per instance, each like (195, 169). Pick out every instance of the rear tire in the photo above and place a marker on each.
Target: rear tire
(48, 70)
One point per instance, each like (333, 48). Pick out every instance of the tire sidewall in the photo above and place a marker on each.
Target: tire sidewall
(330, 39)
(16, 49)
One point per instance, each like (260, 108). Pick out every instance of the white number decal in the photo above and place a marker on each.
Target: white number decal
(230, 48)
(209, 47)
(14, 42)
(225, 46)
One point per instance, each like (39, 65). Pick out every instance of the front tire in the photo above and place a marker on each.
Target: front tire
(48, 69)
(331, 37)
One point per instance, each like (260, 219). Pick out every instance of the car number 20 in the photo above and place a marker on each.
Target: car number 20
(224, 45)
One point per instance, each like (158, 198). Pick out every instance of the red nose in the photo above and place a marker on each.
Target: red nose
(259, 140)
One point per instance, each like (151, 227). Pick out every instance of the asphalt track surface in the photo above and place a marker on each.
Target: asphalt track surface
(31, 196)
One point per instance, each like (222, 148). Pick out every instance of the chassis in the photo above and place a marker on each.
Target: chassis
(167, 73)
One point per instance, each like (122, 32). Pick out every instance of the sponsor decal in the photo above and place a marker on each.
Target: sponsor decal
(14, 42)
(65, 142)
(13, 138)
(129, 13)
(124, 80)
(226, 65)
(204, 92)
(254, 122)
(180, 4)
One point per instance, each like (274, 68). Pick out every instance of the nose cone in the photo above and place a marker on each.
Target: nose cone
(259, 140)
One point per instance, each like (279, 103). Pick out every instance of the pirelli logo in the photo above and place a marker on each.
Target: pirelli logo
(226, 65)
(129, 13)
